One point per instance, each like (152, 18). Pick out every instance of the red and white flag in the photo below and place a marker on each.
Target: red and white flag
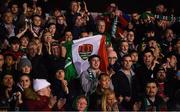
(85, 47)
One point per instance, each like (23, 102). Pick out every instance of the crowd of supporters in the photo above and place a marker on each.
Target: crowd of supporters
(36, 40)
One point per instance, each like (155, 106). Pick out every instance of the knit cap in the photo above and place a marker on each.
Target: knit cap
(39, 84)
(24, 61)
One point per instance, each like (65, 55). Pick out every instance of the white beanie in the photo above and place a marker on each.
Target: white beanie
(39, 84)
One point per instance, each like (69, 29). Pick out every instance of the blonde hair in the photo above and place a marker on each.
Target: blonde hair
(107, 92)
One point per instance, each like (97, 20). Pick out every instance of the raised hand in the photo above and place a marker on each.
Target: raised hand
(52, 101)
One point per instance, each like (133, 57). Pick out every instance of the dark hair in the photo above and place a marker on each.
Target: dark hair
(6, 72)
(126, 55)
(10, 4)
(93, 56)
(151, 38)
(133, 51)
(79, 97)
(14, 40)
(170, 54)
(151, 81)
(150, 28)
(157, 70)
(36, 16)
(120, 43)
(9, 54)
(48, 25)
(23, 74)
(147, 51)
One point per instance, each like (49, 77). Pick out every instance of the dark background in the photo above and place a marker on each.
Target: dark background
(125, 5)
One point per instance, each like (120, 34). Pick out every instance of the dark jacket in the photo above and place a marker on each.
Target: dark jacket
(143, 75)
(125, 88)
(38, 67)
(157, 105)
(57, 89)
(95, 100)
(121, 84)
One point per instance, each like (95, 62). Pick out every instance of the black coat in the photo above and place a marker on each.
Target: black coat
(143, 75)
(158, 104)
(123, 87)
(38, 67)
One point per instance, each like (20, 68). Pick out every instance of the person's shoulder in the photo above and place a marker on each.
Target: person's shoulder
(115, 76)
(85, 72)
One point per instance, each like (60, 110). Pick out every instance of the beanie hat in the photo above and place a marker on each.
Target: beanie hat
(24, 61)
(39, 84)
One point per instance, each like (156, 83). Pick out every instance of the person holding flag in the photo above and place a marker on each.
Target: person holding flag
(89, 77)
(70, 72)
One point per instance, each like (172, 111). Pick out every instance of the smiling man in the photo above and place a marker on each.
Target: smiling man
(89, 78)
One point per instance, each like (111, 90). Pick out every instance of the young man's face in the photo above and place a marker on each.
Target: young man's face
(134, 57)
(124, 47)
(8, 81)
(148, 58)
(127, 63)
(32, 50)
(151, 89)
(8, 18)
(173, 61)
(161, 75)
(14, 8)
(39, 11)
(135, 16)
(169, 35)
(95, 63)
